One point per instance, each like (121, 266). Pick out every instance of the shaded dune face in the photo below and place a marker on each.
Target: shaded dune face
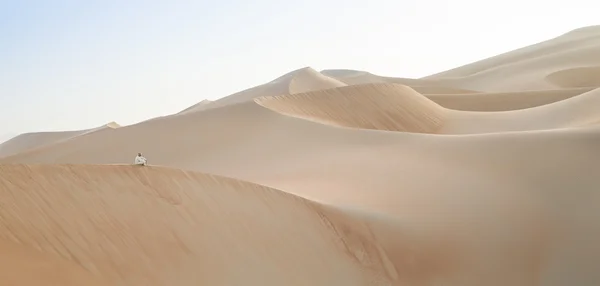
(389, 107)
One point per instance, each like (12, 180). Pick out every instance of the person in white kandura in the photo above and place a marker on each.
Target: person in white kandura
(140, 160)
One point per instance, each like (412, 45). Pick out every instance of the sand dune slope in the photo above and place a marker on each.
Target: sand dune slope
(577, 111)
(504, 101)
(395, 107)
(202, 141)
(308, 79)
(569, 60)
(353, 77)
(300, 80)
(28, 141)
(214, 140)
(196, 107)
(32, 140)
(370, 106)
(22, 265)
(576, 77)
(156, 226)
(464, 225)
(469, 100)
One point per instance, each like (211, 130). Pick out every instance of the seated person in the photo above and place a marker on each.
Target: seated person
(140, 160)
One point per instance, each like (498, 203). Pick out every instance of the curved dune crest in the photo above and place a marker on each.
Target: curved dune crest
(504, 101)
(157, 226)
(574, 112)
(576, 77)
(390, 107)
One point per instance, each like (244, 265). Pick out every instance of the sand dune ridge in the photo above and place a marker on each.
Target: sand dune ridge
(395, 107)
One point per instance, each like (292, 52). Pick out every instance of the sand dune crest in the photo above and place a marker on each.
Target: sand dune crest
(391, 107)
(196, 107)
(308, 79)
(159, 226)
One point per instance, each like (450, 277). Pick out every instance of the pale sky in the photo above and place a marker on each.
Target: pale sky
(73, 64)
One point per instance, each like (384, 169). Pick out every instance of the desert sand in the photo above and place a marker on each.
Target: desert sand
(481, 175)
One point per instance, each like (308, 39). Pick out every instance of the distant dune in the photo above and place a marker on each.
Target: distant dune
(34, 140)
(422, 86)
(532, 67)
(481, 175)
(576, 77)
(196, 107)
(301, 80)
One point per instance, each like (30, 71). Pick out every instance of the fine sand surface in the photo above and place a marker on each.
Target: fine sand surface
(480, 175)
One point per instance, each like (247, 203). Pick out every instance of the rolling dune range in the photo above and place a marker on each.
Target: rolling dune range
(480, 175)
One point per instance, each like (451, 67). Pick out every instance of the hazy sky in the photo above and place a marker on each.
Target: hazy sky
(75, 64)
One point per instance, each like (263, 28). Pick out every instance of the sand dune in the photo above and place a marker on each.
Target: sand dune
(352, 77)
(156, 226)
(308, 79)
(301, 80)
(576, 77)
(197, 107)
(479, 175)
(528, 68)
(504, 101)
(34, 140)
(395, 107)
(22, 265)
(576, 111)
(373, 106)
(448, 234)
